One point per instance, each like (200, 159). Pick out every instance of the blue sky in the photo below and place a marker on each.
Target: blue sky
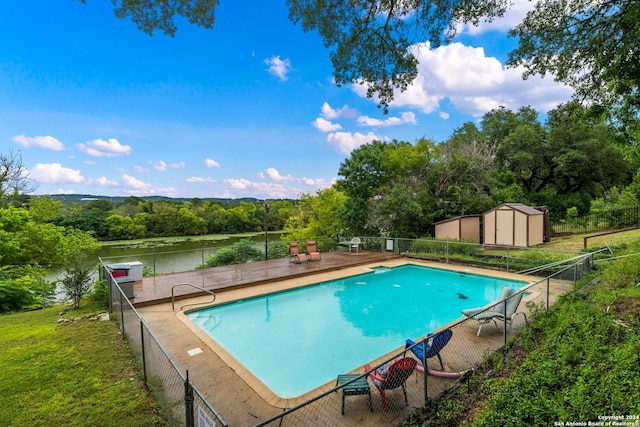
(248, 109)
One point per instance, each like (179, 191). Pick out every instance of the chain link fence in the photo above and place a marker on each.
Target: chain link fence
(450, 363)
(181, 402)
(357, 397)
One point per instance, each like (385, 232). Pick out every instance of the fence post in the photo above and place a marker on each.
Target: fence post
(121, 311)
(203, 266)
(546, 309)
(426, 369)
(144, 357)
(504, 327)
(507, 258)
(447, 251)
(188, 403)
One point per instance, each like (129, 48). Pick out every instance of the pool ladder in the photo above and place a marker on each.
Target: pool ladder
(194, 303)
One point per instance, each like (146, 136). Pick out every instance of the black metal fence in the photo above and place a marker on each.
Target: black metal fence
(615, 219)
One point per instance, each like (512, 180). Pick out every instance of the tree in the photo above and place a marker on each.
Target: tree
(76, 283)
(14, 179)
(397, 211)
(592, 46)
(370, 40)
(43, 208)
(361, 175)
(316, 216)
(585, 156)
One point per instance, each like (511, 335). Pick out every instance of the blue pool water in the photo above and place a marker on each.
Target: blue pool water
(298, 340)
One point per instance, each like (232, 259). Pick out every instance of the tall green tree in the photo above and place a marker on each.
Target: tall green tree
(317, 216)
(369, 40)
(592, 46)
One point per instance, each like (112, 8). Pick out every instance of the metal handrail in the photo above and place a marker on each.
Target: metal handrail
(193, 303)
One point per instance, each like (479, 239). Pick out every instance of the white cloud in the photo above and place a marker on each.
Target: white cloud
(278, 67)
(160, 166)
(54, 173)
(511, 18)
(135, 183)
(210, 163)
(102, 148)
(324, 125)
(199, 179)
(48, 142)
(329, 113)
(105, 182)
(444, 115)
(406, 117)
(275, 175)
(246, 188)
(140, 169)
(163, 167)
(346, 142)
(473, 82)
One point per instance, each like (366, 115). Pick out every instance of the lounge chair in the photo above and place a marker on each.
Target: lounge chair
(392, 375)
(438, 341)
(354, 245)
(312, 251)
(295, 254)
(498, 310)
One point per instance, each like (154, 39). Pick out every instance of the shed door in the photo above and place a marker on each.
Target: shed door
(504, 227)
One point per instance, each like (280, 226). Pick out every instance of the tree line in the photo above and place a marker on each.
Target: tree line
(137, 218)
(572, 163)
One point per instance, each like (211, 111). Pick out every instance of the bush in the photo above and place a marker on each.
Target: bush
(24, 287)
(240, 253)
(445, 247)
(76, 283)
(100, 293)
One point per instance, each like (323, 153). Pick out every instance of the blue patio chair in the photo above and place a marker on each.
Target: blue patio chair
(435, 344)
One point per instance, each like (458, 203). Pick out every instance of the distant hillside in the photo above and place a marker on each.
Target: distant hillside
(85, 198)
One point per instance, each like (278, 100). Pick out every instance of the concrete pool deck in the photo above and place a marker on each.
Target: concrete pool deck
(244, 401)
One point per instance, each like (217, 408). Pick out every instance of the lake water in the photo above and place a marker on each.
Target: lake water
(170, 255)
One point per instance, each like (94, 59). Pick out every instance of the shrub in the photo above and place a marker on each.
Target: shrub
(240, 253)
(100, 294)
(76, 283)
(24, 287)
(445, 247)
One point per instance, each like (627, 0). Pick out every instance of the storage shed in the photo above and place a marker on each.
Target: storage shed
(460, 228)
(513, 224)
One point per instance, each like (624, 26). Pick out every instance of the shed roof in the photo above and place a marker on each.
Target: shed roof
(527, 210)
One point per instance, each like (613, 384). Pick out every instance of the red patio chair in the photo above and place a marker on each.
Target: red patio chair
(392, 375)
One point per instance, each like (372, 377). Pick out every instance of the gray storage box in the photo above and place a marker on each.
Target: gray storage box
(126, 284)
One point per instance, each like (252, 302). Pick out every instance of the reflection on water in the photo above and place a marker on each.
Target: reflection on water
(413, 300)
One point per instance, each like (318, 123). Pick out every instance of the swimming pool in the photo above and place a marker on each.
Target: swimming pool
(295, 341)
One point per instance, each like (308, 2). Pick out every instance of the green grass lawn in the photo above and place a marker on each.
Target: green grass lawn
(78, 373)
